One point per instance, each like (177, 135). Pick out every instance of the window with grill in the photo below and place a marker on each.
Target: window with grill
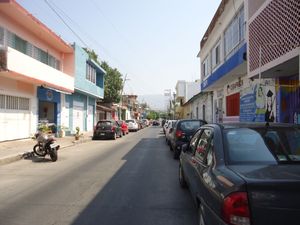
(1, 36)
(12, 102)
(2, 101)
(90, 73)
(233, 105)
(23, 103)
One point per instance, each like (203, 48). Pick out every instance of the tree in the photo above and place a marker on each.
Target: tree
(113, 82)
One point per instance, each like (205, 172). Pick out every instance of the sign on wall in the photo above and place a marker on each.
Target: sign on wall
(257, 102)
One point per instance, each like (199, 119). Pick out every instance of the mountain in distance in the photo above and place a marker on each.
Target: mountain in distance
(155, 102)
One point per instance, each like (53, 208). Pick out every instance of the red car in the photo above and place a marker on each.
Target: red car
(123, 126)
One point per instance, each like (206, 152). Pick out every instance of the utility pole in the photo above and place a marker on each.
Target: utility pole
(125, 79)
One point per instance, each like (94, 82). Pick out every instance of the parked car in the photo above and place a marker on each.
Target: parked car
(182, 133)
(155, 123)
(107, 129)
(124, 127)
(168, 130)
(164, 126)
(243, 173)
(132, 125)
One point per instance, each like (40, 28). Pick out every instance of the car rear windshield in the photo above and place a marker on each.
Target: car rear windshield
(190, 125)
(270, 144)
(104, 123)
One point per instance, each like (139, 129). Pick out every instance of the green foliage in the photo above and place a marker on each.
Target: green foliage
(113, 84)
(92, 55)
(152, 115)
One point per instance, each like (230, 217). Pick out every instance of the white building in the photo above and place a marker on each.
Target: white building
(223, 60)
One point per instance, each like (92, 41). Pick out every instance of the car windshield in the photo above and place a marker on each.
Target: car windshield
(256, 145)
(190, 125)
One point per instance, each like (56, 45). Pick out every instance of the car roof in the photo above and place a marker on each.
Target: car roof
(256, 125)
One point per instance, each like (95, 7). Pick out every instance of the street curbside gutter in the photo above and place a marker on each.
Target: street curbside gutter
(27, 154)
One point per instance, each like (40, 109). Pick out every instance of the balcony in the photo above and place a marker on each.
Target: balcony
(16, 65)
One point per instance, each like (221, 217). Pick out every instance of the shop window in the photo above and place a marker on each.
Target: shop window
(233, 105)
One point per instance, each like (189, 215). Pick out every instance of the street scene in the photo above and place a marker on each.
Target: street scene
(149, 112)
(129, 181)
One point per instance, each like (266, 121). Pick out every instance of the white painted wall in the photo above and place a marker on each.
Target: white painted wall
(36, 70)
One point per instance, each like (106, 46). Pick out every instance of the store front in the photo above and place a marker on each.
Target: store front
(48, 106)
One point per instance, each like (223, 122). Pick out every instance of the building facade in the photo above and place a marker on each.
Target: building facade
(36, 66)
(79, 109)
(223, 60)
(274, 56)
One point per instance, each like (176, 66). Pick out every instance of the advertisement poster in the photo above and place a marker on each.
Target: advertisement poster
(258, 102)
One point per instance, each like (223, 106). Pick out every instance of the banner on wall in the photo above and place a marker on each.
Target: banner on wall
(258, 102)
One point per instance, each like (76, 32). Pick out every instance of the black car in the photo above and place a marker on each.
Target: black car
(244, 174)
(107, 129)
(182, 132)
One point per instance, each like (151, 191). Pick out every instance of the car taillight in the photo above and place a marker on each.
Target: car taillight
(236, 209)
(179, 133)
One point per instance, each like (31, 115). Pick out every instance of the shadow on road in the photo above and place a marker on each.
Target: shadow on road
(144, 191)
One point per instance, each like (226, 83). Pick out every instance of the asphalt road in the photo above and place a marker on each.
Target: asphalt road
(130, 181)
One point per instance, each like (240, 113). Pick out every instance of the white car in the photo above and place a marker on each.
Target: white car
(132, 125)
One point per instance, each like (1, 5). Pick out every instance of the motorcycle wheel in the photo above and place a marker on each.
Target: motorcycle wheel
(39, 150)
(53, 154)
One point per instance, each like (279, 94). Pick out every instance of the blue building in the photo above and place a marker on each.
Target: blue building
(79, 109)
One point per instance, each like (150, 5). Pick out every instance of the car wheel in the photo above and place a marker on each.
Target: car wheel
(176, 154)
(182, 180)
(200, 215)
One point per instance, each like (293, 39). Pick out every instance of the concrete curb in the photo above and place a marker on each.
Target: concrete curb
(23, 155)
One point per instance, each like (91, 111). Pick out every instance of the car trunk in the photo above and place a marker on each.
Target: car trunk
(273, 192)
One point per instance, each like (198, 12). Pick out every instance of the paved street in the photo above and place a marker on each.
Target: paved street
(132, 180)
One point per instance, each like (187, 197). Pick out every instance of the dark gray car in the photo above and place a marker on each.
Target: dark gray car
(181, 133)
(244, 174)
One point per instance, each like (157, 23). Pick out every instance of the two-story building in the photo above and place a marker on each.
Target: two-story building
(79, 109)
(274, 54)
(185, 90)
(223, 60)
(36, 67)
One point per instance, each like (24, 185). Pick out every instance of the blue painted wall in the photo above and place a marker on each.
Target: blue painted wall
(81, 57)
(234, 61)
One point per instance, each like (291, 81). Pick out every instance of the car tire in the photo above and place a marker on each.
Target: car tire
(176, 154)
(200, 215)
(182, 180)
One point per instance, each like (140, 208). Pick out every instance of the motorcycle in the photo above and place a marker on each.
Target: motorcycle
(46, 145)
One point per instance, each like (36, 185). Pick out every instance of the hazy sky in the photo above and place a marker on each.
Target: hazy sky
(154, 42)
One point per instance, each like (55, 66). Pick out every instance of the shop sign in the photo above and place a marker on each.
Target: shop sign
(236, 86)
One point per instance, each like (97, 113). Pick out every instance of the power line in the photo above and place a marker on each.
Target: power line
(83, 42)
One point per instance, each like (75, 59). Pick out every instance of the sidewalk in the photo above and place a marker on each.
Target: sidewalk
(11, 151)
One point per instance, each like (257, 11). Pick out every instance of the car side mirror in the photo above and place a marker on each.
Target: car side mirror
(184, 147)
